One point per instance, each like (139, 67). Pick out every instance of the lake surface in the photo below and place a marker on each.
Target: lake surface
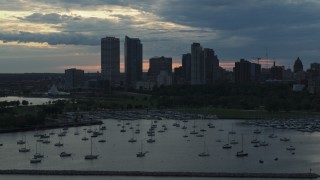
(33, 100)
(170, 152)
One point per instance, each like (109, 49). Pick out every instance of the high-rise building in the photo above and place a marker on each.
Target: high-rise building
(157, 64)
(74, 78)
(197, 64)
(133, 60)
(186, 67)
(110, 59)
(245, 71)
(211, 64)
(298, 66)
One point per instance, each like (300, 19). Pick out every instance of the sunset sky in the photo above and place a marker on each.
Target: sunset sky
(51, 35)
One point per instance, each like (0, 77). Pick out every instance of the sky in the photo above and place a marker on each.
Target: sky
(52, 35)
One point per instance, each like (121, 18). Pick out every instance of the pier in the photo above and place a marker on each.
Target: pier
(158, 174)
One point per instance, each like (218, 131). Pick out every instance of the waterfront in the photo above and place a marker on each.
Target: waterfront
(31, 100)
(170, 152)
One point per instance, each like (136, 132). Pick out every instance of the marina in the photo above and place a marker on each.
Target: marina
(166, 142)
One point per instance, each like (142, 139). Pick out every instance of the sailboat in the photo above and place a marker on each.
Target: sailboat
(123, 129)
(205, 152)
(272, 135)
(65, 154)
(76, 133)
(91, 156)
(241, 153)
(132, 140)
(24, 149)
(232, 131)
(37, 155)
(194, 128)
(35, 160)
(104, 139)
(59, 144)
(141, 153)
(21, 141)
(227, 146)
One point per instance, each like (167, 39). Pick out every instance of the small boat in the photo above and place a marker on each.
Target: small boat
(241, 154)
(59, 144)
(284, 139)
(263, 143)
(64, 154)
(35, 160)
(291, 148)
(199, 135)
(85, 139)
(257, 131)
(261, 161)
(47, 141)
(91, 156)
(132, 140)
(24, 149)
(234, 142)
(227, 146)
(205, 152)
(141, 153)
(37, 155)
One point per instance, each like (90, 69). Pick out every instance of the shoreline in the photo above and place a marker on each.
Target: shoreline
(158, 174)
(51, 126)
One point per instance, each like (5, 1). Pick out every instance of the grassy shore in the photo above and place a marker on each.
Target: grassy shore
(249, 114)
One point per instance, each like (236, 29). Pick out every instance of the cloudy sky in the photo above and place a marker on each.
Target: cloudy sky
(51, 35)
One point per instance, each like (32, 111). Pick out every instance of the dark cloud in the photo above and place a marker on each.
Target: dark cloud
(52, 18)
(52, 38)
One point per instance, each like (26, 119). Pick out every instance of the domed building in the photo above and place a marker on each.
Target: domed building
(298, 66)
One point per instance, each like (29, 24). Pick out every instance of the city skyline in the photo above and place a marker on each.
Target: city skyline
(50, 36)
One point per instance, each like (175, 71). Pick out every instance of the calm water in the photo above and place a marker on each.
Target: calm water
(34, 101)
(171, 152)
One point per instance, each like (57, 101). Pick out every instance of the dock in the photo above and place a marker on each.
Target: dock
(158, 174)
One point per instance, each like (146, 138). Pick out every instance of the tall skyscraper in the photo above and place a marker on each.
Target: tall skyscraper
(133, 60)
(197, 64)
(186, 67)
(110, 59)
(211, 63)
(157, 64)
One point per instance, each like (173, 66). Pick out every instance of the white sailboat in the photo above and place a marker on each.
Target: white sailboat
(24, 149)
(38, 155)
(205, 152)
(227, 146)
(91, 156)
(59, 144)
(141, 153)
(241, 153)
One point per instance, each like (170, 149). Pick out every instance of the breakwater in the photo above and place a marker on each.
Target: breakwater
(158, 174)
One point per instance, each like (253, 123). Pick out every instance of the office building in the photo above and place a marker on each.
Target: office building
(197, 64)
(245, 71)
(110, 59)
(74, 78)
(157, 64)
(133, 60)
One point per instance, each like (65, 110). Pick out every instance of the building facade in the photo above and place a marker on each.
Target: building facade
(158, 64)
(133, 60)
(110, 59)
(245, 71)
(74, 78)
(186, 67)
(197, 64)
